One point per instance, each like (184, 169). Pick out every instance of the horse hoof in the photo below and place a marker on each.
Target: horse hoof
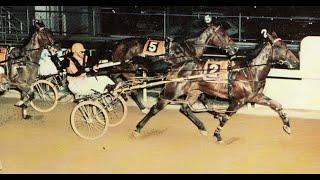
(136, 134)
(27, 117)
(19, 103)
(287, 129)
(203, 133)
(145, 110)
(220, 142)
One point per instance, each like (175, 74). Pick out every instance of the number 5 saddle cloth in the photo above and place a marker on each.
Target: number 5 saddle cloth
(154, 48)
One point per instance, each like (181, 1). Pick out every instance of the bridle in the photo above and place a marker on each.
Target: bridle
(272, 60)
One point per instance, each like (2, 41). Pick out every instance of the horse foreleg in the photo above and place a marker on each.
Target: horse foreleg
(135, 97)
(186, 110)
(234, 106)
(27, 95)
(266, 101)
(153, 111)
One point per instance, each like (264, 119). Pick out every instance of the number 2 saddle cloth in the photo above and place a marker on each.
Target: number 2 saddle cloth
(216, 70)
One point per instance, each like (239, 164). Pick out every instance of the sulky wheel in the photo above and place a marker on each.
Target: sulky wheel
(64, 95)
(116, 108)
(89, 120)
(45, 96)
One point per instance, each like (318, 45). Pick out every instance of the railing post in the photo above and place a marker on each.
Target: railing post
(21, 27)
(9, 22)
(28, 23)
(93, 22)
(144, 75)
(239, 27)
(164, 25)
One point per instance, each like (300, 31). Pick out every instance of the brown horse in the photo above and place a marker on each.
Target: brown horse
(132, 49)
(23, 62)
(245, 85)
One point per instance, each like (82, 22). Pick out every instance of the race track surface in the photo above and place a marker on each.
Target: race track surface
(169, 143)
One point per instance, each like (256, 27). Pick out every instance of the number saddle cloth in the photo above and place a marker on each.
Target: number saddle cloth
(154, 48)
(216, 71)
(3, 54)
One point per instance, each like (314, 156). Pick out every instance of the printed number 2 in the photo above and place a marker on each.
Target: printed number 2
(153, 46)
(213, 68)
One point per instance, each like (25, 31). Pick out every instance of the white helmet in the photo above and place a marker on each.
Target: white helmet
(207, 19)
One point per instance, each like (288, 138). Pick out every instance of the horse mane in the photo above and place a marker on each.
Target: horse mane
(191, 35)
(250, 56)
(254, 53)
(127, 41)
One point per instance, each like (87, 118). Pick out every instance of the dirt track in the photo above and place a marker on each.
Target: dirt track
(168, 144)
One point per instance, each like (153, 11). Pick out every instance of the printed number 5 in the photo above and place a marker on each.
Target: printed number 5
(153, 46)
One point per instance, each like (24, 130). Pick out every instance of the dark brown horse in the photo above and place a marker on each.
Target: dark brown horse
(132, 49)
(245, 85)
(23, 62)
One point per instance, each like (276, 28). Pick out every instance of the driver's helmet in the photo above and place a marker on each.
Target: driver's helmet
(77, 47)
(207, 19)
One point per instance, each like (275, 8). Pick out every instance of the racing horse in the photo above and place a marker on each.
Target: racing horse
(246, 82)
(23, 63)
(134, 49)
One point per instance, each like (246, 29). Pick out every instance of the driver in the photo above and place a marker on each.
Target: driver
(79, 82)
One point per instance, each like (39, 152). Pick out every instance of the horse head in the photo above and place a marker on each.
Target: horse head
(218, 36)
(280, 53)
(44, 36)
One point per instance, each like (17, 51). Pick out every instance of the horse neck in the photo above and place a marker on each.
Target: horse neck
(201, 42)
(260, 65)
(33, 49)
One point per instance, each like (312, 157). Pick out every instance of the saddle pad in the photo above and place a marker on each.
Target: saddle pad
(154, 48)
(3, 54)
(216, 70)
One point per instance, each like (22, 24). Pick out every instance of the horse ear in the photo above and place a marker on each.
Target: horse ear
(39, 24)
(270, 37)
(274, 35)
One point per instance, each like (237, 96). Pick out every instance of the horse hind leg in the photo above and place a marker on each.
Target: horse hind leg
(186, 110)
(153, 111)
